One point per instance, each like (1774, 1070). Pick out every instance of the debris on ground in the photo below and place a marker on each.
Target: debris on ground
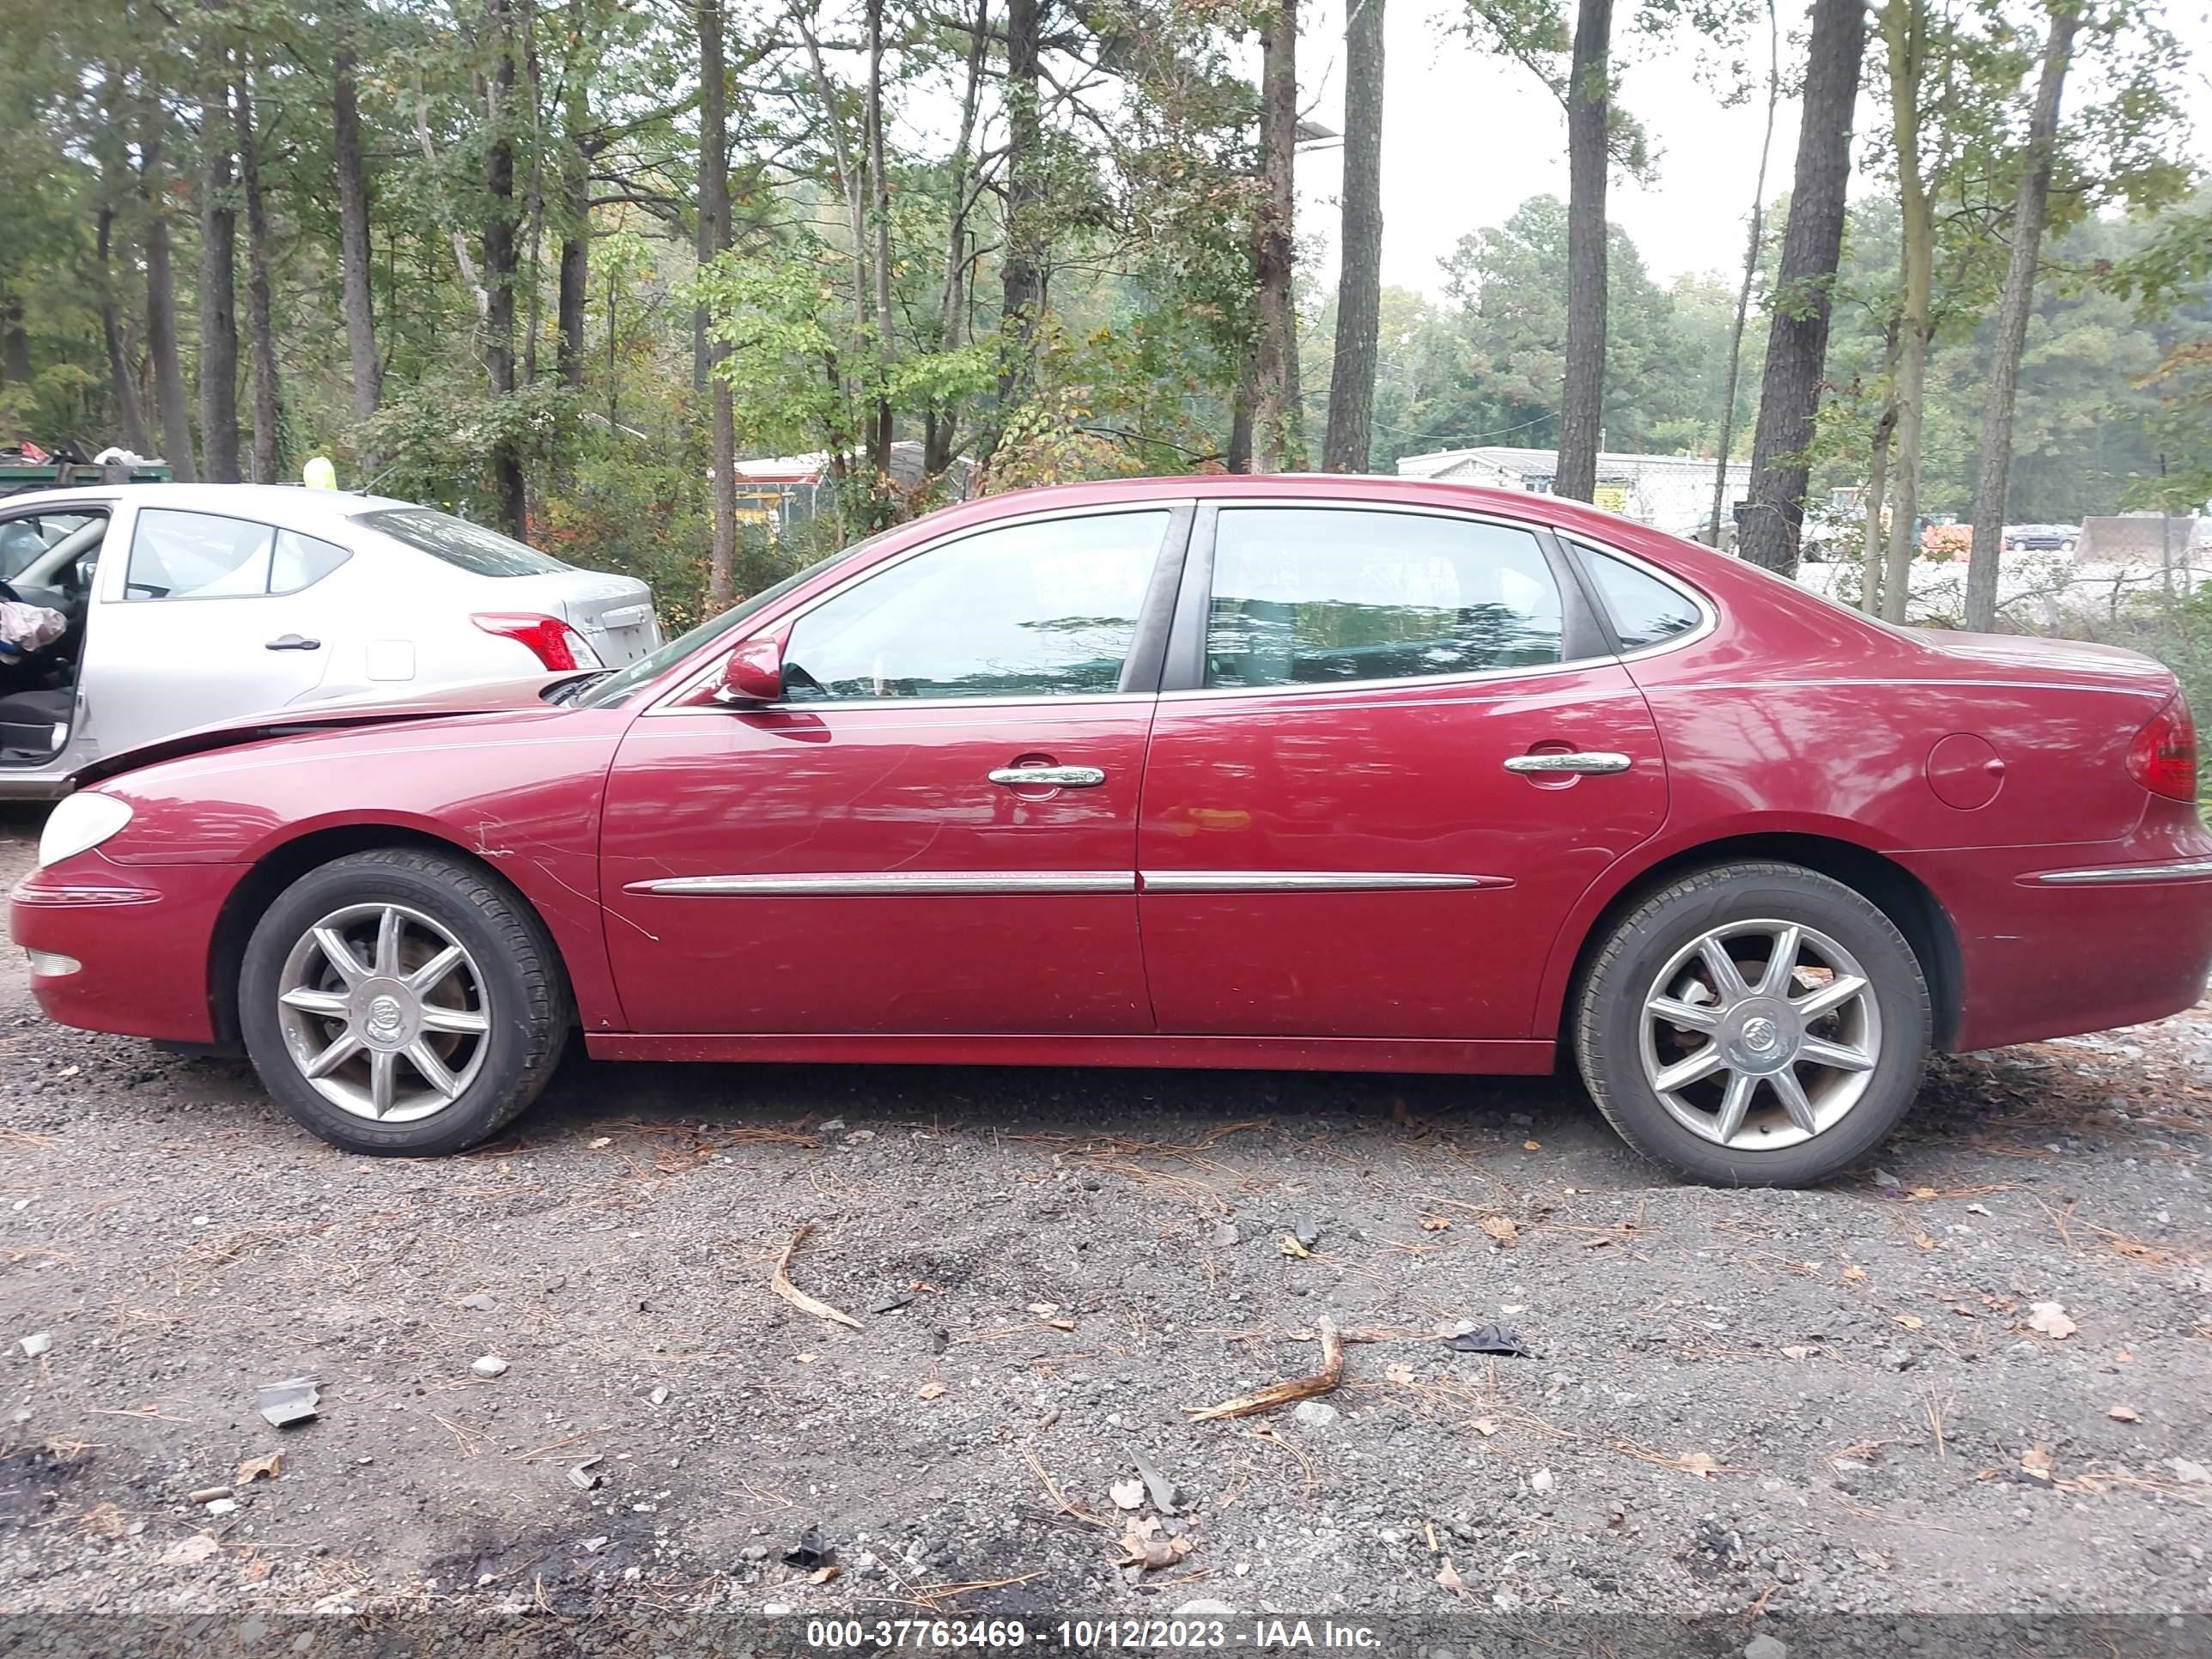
(782, 1285)
(1127, 1494)
(37, 1343)
(1165, 1493)
(1449, 1578)
(480, 1302)
(1283, 1394)
(1291, 1247)
(1541, 1482)
(2049, 1318)
(207, 1494)
(1145, 1550)
(258, 1468)
(811, 1552)
(489, 1366)
(295, 1399)
(1491, 1338)
(1313, 1413)
(585, 1475)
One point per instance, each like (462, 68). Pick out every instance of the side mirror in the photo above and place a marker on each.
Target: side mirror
(754, 672)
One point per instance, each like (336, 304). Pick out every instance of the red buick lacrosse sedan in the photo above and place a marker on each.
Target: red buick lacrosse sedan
(1354, 774)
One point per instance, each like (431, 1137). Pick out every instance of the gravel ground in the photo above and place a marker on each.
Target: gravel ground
(1739, 1404)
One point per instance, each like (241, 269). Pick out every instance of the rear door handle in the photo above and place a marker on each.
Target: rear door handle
(1052, 777)
(1591, 761)
(293, 642)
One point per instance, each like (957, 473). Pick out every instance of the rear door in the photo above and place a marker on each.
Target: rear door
(934, 833)
(1354, 824)
(202, 617)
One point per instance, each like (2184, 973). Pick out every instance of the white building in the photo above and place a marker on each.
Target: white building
(1673, 493)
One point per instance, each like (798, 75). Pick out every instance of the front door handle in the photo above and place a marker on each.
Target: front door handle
(1050, 777)
(1578, 764)
(293, 642)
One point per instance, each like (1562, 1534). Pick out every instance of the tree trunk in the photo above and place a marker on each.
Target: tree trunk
(1812, 246)
(260, 328)
(1870, 562)
(575, 272)
(1278, 440)
(122, 377)
(1904, 30)
(940, 436)
(1022, 295)
(1589, 105)
(171, 413)
(353, 238)
(15, 344)
(1750, 274)
(1238, 457)
(714, 238)
(880, 179)
(218, 296)
(1349, 443)
(501, 261)
(1994, 474)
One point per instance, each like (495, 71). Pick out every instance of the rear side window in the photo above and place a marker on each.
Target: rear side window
(1312, 596)
(1644, 609)
(471, 546)
(197, 556)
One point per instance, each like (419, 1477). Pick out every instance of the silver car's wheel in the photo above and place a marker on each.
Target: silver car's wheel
(1759, 1035)
(385, 1012)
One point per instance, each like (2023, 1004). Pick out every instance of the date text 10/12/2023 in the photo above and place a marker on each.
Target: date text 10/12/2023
(1085, 1635)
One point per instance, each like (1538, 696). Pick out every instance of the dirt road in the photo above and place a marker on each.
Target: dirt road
(1738, 1403)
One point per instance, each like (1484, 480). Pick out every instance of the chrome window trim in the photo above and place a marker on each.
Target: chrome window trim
(2119, 874)
(689, 685)
(892, 884)
(1308, 881)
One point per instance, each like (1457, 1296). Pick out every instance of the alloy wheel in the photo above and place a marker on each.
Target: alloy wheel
(384, 1012)
(1760, 1035)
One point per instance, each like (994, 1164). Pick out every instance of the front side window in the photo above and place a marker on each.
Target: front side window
(1045, 609)
(1319, 596)
(1644, 609)
(471, 546)
(23, 540)
(197, 556)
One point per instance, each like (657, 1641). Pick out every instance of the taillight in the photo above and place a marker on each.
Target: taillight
(2163, 757)
(551, 640)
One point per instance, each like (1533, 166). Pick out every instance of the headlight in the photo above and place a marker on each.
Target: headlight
(80, 823)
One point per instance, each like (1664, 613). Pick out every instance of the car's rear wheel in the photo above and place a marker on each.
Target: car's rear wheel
(398, 1001)
(1754, 1024)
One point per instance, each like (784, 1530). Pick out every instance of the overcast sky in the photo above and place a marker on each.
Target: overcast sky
(1467, 138)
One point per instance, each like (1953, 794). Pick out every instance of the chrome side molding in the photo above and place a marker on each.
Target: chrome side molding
(2109, 874)
(1307, 881)
(895, 883)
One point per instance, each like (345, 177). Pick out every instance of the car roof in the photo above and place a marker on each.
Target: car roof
(291, 504)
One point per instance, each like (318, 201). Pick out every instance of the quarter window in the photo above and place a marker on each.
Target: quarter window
(1047, 608)
(303, 561)
(1644, 609)
(1312, 596)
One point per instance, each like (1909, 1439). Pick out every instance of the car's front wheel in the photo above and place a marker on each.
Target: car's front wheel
(398, 1001)
(1754, 1024)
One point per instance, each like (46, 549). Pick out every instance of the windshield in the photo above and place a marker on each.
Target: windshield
(458, 542)
(613, 689)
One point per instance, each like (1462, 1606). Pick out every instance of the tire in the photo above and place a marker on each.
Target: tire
(450, 1059)
(1740, 1028)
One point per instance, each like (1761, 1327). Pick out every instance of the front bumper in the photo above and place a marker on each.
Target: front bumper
(142, 936)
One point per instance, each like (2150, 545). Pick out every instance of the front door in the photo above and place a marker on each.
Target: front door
(935, 831)
(1350, 825)
(203, 616)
